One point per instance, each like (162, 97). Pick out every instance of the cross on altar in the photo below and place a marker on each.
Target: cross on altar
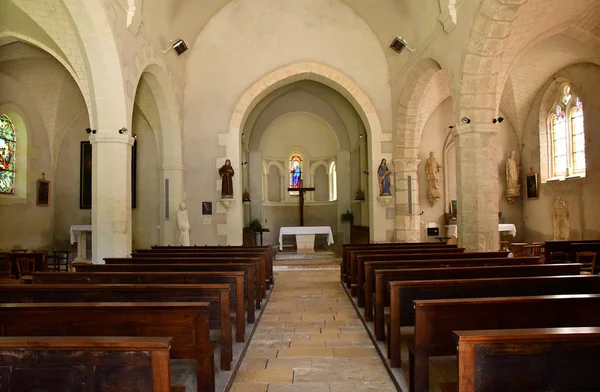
(301, 191)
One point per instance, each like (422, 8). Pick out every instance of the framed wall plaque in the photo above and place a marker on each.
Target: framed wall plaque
(207, 208)
(43, 192)
(532, 186)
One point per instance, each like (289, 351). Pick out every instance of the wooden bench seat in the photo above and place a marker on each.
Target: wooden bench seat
(236, 278)
(347, 248)
(217, 295)
(394, 258)
(249, 269)
(402, 312)
(187, 264)
(191, 258)
(267, 256)
(390, 254)
(369, 285)
(186, 322)
(267, 250)
(546, 359)
(437, 319)
(99, 364)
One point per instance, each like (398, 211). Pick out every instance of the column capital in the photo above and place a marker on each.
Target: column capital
(111, 139)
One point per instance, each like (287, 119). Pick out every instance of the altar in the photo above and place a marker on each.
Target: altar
(305, 237)
(78, 235)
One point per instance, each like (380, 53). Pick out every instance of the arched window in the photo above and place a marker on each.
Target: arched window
(8, 150)
(296, 170)
(332, 182)
(567, 136)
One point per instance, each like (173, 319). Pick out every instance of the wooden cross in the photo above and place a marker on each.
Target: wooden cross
(301, 191)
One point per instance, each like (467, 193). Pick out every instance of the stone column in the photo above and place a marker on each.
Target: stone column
(169, 233)
(282, 188)
(477, 180)
(111, 196)
(408, 226)
(257, 184)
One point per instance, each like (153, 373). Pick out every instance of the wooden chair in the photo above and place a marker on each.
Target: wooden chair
(18, 251)
(588, 259)
(25, 268)
(503, 246)
(518, 249)
(60, 258)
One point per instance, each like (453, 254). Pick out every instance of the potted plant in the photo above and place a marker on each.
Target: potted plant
(255, 225)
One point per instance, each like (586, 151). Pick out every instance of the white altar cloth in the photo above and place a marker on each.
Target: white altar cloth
(78, 228)
(305, 230)
(508, 227)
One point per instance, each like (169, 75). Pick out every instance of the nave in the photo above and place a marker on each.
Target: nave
(310, 338)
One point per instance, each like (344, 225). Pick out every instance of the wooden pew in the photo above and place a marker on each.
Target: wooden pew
(235, 278)
(437, 319)
(186, 322)
(248, 269)
(391, 273)
(355, 256)
(210, 251)
(259, 271)
(542, 359)
(217, 295)
(99, 364)
(346, 248)
(395, 258)
(505, 283)
(572, 248)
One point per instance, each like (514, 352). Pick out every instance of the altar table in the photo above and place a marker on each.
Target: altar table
(78, 234)
(305, 237)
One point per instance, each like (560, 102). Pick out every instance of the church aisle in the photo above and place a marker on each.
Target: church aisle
(311, 339)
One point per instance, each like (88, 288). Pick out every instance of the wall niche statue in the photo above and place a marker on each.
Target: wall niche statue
(226, 172)
(384, 174)
(513, 190)
(432, 173)
(560, 220)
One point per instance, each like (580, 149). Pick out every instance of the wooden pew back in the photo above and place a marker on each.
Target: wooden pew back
(186, 322)
(544, 359)
(136, 364)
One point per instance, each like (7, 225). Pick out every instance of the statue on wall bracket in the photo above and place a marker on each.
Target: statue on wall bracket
(226, 172)
(513, 190)
(432, 173)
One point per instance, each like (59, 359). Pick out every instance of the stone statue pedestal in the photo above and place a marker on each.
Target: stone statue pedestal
(227, 203)
(385, 200)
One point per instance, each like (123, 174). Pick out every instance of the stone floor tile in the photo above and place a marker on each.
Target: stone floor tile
(267, 344)
(361, 386)
(300, 387)
(253, 364)
(244, 387)
(305, 352)
(264, 376)
(289, 363)
(301, 335)
(308, 330)
(355, 352)
(261, 353)
(307, 343)
(354, 335)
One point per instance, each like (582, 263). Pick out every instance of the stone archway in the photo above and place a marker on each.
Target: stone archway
(284, 76)
(412, 116)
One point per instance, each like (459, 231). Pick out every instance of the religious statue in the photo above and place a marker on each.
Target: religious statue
(183, 224)
(512, 179)
(226, 172)
(560, 220)
(384, 179)
(432, 173)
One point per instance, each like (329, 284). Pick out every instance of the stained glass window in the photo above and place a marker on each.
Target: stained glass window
(559, 142)
(8, 149)
(567, 136)
(295, 172)
(578, 137)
